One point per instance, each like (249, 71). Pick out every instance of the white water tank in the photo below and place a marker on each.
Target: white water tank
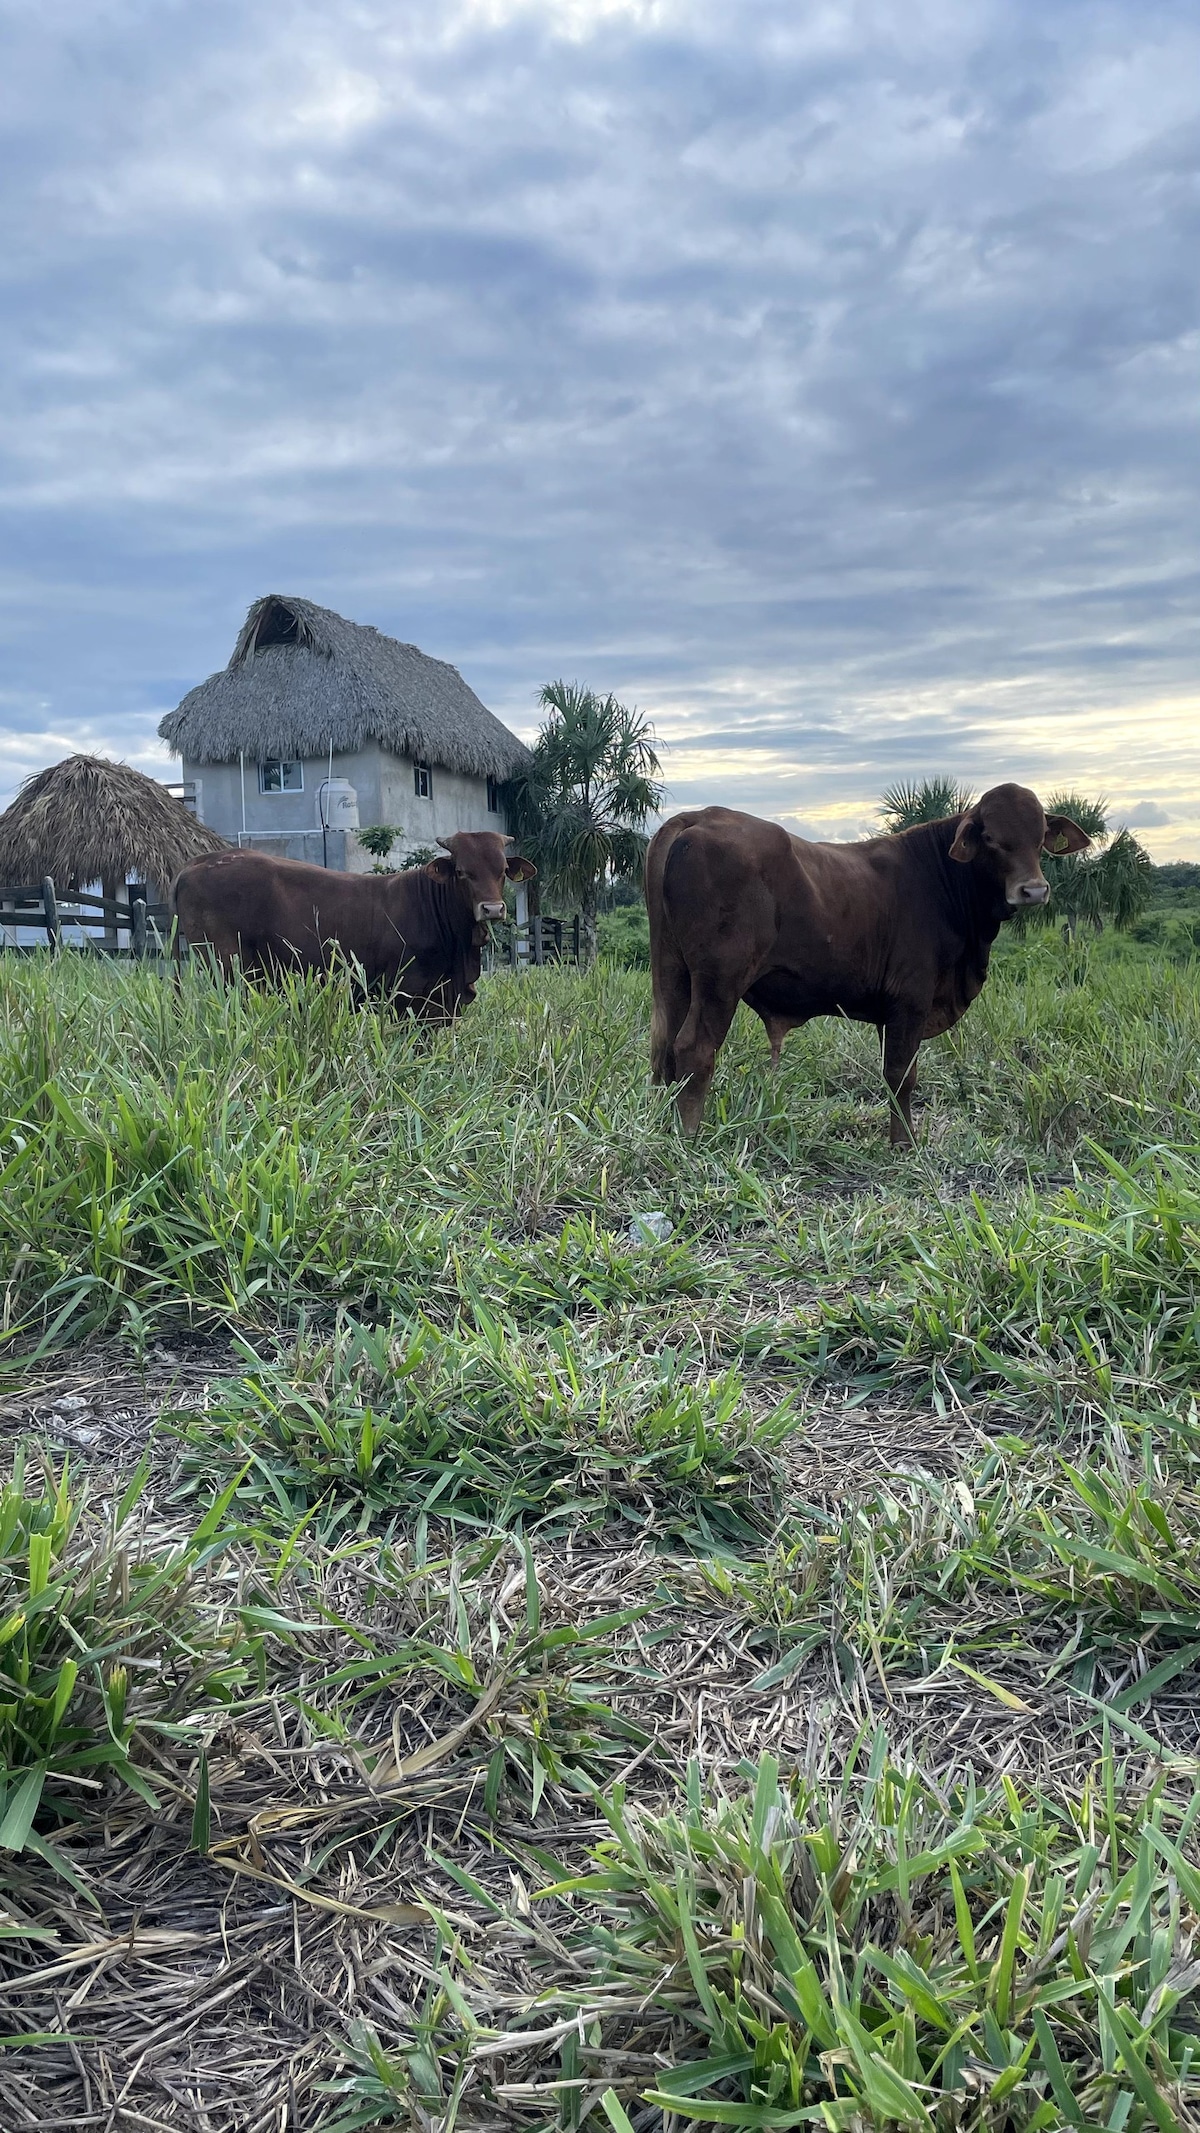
(337, 805)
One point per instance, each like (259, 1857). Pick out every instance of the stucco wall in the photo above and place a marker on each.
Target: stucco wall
(455, 802)
(219, 794)
(386, 790)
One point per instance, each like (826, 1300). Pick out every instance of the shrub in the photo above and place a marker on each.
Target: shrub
(624, 937)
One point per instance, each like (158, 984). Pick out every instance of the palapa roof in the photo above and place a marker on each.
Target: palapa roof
(302, 677)
(86, 819)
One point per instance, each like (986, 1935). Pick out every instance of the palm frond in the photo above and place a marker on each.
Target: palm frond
(1112, 882)
(1091, 815)
(912, 801)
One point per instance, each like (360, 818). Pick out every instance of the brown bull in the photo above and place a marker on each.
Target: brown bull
(896, 931)
(416, 935)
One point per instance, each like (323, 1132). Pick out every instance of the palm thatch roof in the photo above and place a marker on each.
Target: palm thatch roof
(86, 819)
(302, 677)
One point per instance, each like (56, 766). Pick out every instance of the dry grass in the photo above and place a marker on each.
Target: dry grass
(229, 1990)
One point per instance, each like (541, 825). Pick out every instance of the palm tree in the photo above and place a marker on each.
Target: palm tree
(907, 803)
(582, 808)
(1115, 880)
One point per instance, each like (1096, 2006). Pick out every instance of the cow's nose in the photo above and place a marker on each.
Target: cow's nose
(489, 910)
(1031, 892)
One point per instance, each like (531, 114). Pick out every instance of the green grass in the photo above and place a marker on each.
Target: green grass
(880, 1950)
(259, 1155)
(493, 1426)
(107, 1644)
(411, 1612)
(867, 1949)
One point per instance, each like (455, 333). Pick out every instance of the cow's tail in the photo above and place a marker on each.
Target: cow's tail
(669, 975)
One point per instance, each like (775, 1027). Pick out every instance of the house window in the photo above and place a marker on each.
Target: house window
(281, 777)
(493, 804)
(422, 781)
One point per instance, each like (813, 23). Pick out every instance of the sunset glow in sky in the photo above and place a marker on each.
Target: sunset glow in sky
(822, 378)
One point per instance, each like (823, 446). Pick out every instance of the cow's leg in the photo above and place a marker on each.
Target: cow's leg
(672, 999)
(776, 1028)
(901, 1043)
(704, 1031)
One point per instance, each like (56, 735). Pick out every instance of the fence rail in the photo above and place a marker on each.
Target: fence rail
(101, 919)
(538, 941)
(147, 927)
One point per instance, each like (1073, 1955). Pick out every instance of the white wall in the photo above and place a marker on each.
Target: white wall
(219, 795)
(455, 802)
(386, 789)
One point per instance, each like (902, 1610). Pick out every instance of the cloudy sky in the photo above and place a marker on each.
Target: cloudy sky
(821, 376)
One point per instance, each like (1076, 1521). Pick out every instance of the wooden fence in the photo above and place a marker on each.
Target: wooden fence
(539, 940)
(147, 927)
(101, 920)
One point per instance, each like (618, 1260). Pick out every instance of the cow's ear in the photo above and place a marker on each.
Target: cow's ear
(520, 869)
(1063, 835)
(442, 869)
(966, 843)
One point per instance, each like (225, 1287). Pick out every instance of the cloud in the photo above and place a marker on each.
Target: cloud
(823, 379)
(1146, 815)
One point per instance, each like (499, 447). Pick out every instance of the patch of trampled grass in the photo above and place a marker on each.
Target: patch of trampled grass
(869, 1948)
(1025, 1573)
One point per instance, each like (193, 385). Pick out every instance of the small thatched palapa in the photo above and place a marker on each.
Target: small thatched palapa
(85, 819)
(303, 679)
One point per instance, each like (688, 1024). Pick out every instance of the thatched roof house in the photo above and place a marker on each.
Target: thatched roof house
(302, 680)
(86, 819)
(311, 706)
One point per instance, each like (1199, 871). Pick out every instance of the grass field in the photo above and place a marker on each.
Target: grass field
(465, 1663)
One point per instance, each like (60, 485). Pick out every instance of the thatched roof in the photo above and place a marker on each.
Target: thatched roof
(85, 819)
(302, 677)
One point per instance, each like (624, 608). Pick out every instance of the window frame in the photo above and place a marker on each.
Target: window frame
(493, 796)
(282, 764)
(423, 771)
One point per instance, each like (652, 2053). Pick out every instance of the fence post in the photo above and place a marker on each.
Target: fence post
(50, 910)
(521, 929)
(537, 953)
(110, 890)
(575, 938)
(137, 918)
(557, 929)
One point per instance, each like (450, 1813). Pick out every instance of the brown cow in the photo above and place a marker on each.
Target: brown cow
(416, 935)
(896, 931)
